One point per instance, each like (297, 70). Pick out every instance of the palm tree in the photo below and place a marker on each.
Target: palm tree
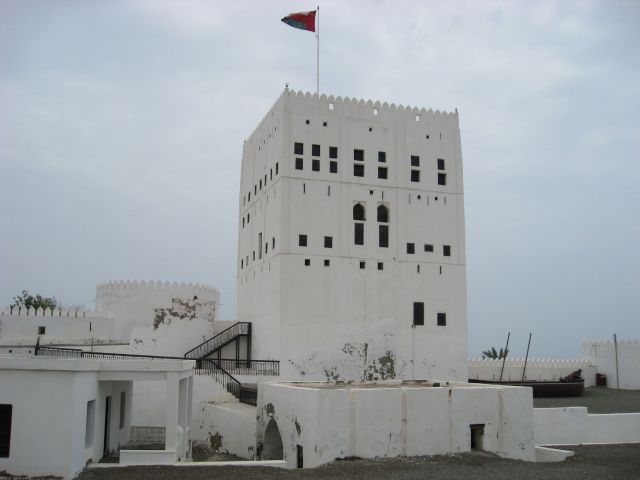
(494, 354)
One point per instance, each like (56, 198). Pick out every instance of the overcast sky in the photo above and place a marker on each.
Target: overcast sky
(121, 129)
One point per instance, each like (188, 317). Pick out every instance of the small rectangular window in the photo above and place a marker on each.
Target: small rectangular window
(315, 165)
(249, 196)
(315, 150)
(442, 319)
(333, 166)
(362, 265)
(428, 247)
(333, 152)
(415, 161)
(260, 184)
(298, 148)
(415, 175)
(277, 165)
(326, 262)
(302, 240)
(273, 243)
(382, 157)
(248, 217)
(383, 236)
(41, 330)
(441, 164)
(418, 313)
(307, 262)
(6, 412)
(411, 248)
(382, 173)
(359, 234)
(446, 250)
(328, 242)
(380, 266)
(358, 170)
(299, 164)
(90, 420)
(260, 245)
(442, 179)
(324, 124)
(358, 155)
(123, 409)
(241, 263)
(255, 189)
(271, 174)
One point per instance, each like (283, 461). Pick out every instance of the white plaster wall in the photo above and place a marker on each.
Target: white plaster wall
(602, 354)
(308, 316)
(63, 329)
(574, 426)
(173, 338)
(537, 369)
(388, 422)
(229, 427)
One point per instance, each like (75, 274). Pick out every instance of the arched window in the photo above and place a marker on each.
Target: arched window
(383, 214)
(358, 212)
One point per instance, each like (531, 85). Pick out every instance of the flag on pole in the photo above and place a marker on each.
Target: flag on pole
(303, 20)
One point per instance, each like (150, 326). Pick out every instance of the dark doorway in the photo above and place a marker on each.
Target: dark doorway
(6, 411)
(272, 449)
(477, 435)
(107, 425)
(300, 456)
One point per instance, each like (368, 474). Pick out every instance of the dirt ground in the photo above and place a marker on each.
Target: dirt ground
(597, 400)
(601, 462)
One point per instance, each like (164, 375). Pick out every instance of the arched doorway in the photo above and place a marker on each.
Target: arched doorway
(272, 449)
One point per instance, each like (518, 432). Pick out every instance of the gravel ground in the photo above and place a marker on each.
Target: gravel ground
(601, 462)
(597, 400)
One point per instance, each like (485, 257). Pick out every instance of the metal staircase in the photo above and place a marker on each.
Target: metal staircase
(215, 344)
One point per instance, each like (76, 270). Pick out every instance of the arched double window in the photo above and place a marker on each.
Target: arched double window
(383, 230)
(359, 215)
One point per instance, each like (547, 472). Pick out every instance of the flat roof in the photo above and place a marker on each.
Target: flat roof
(386, 384)
(14, 362)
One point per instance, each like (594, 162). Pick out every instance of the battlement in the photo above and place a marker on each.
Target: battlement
(48, 312)
(531, 362)
(178, 289)
(355, 107)
(609, 343)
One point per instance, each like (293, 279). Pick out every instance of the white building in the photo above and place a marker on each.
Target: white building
(57, 414)
(351, 246)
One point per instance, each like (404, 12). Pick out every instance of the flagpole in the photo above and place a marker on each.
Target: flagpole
(318, 55)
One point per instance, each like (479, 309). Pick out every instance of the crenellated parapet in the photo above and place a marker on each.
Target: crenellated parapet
(134, 286)
(49, 312)
(610, 343)
(354, 107)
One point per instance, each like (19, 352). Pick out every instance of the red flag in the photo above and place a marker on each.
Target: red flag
(302, 20)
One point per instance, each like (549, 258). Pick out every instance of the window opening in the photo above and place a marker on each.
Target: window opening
(333, 152)
(446, 250)
(362, 265)
(477, 435)
(6, 412)
(359, 233)
(382, 157)
(411, 248)
(90, 420)
(442, 179)
(315, 150)
(299, 163)
(441, 319)
(307, 262)
(123, 409)
(415, 161)
(315, 165)
(415, 175)
(428, 247)
(333, 166)
(383, 214)
(326, 262)
(380, 266)
(418, 313)
(359, 212)
(298, 148)
(358, 170)
(41, 330)
(358, 155)
(328, 242)
(382, 173)
(383, 236)
(441, 164)
(302, 240)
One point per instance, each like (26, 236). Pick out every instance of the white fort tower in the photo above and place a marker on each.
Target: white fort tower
(351, 241)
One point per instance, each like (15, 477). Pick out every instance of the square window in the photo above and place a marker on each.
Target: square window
(41, 330)
(328, 242)
(442, 319)
(324, 124)
(315, 165)
(415, 175)
(382, 157)
(326, 262)
(411, 248)
(446, 250)
(362, 265)
(418, 313)
(358, 155)
(299, 164)
(333, 166)
(358, 170)
(302, 240)
(6, 412)
(428, 247)
(298, 148)
(442, 179)
(315, 150)
(333, 152)
(380, 266)
(307, 262)
(415, 161)
(441, 164)
(382, 173)
(307, 122)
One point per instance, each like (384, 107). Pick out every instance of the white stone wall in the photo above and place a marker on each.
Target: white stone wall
(602, 354)
(19, 327)
(340, 321)
(575, 426)
(537, 369)
(378, 421)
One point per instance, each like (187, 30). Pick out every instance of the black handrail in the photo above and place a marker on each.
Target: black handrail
(209, 346)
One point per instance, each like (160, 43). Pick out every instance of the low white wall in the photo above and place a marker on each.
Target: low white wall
(537, 369)
(574, 426)
(227, 427)
(61, 327)
(602, 354)
(147, 457)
